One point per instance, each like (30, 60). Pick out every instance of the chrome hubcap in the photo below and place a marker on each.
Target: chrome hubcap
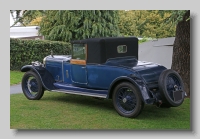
(124, 100)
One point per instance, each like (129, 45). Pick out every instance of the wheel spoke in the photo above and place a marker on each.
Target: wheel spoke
(172, 81)
(31, 86)
(126, 100)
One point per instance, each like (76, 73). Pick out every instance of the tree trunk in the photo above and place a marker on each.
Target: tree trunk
(181, 51)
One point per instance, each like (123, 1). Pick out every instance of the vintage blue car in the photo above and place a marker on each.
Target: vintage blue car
(106, 68)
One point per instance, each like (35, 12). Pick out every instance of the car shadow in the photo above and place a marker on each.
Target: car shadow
(148, 112)
(152, 111)
(98, 103)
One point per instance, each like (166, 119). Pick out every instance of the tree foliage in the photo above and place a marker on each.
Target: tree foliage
(35, 22)
(66, 25)
(25, 17)
(129, 22)
(146, 23)
(78, 24)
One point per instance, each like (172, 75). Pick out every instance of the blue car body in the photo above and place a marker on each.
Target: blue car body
(97, 66)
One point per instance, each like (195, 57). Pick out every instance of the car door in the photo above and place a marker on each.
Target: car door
(78, 64)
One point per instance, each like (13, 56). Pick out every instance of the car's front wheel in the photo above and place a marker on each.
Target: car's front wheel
(126, 100)
(32, 86)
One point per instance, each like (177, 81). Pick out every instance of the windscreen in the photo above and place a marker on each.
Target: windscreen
(79, 52)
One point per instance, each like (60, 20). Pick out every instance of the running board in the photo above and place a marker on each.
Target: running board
(80, 93)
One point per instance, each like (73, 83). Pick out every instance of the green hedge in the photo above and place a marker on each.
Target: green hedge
(23, 52)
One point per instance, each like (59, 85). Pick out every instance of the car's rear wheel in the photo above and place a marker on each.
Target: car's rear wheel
(126, 100)
(171, 88)
(32, 86)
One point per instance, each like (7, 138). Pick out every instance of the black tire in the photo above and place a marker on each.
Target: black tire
(127, 100)
(167, 80)
(32, 86)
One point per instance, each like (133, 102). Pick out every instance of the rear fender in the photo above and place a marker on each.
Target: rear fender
(44, 75)
(143, 91)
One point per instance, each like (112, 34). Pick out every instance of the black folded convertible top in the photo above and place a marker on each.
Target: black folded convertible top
(101, 49)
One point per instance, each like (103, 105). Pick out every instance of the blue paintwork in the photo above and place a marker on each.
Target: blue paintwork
(128, 61)
(105, 76)
(34, 85)
(79, 74)
(67, 73)
(107, 72)
(45, 76)
(150, 72)
(100, 78)
(127, 101)
(69, 87)
(55, 68)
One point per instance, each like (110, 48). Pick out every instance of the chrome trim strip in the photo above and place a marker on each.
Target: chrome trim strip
(58, 60)
(80, 93)
(64, 85)
(62, 72)
(67, 73)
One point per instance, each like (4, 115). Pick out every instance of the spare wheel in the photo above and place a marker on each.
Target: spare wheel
(171, 88)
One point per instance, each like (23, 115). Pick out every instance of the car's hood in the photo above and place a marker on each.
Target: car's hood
(57, 58)
(149, 71)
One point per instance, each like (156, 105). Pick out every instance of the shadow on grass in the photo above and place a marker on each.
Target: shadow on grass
(149, 111)
(79, 100)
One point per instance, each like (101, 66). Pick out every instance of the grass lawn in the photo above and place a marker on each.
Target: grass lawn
(15, 77)
(64, 111)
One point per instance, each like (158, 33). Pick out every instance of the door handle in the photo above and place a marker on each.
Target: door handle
(83, 67)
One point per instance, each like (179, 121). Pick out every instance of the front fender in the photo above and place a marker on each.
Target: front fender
(137, 83)
(44, 75)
